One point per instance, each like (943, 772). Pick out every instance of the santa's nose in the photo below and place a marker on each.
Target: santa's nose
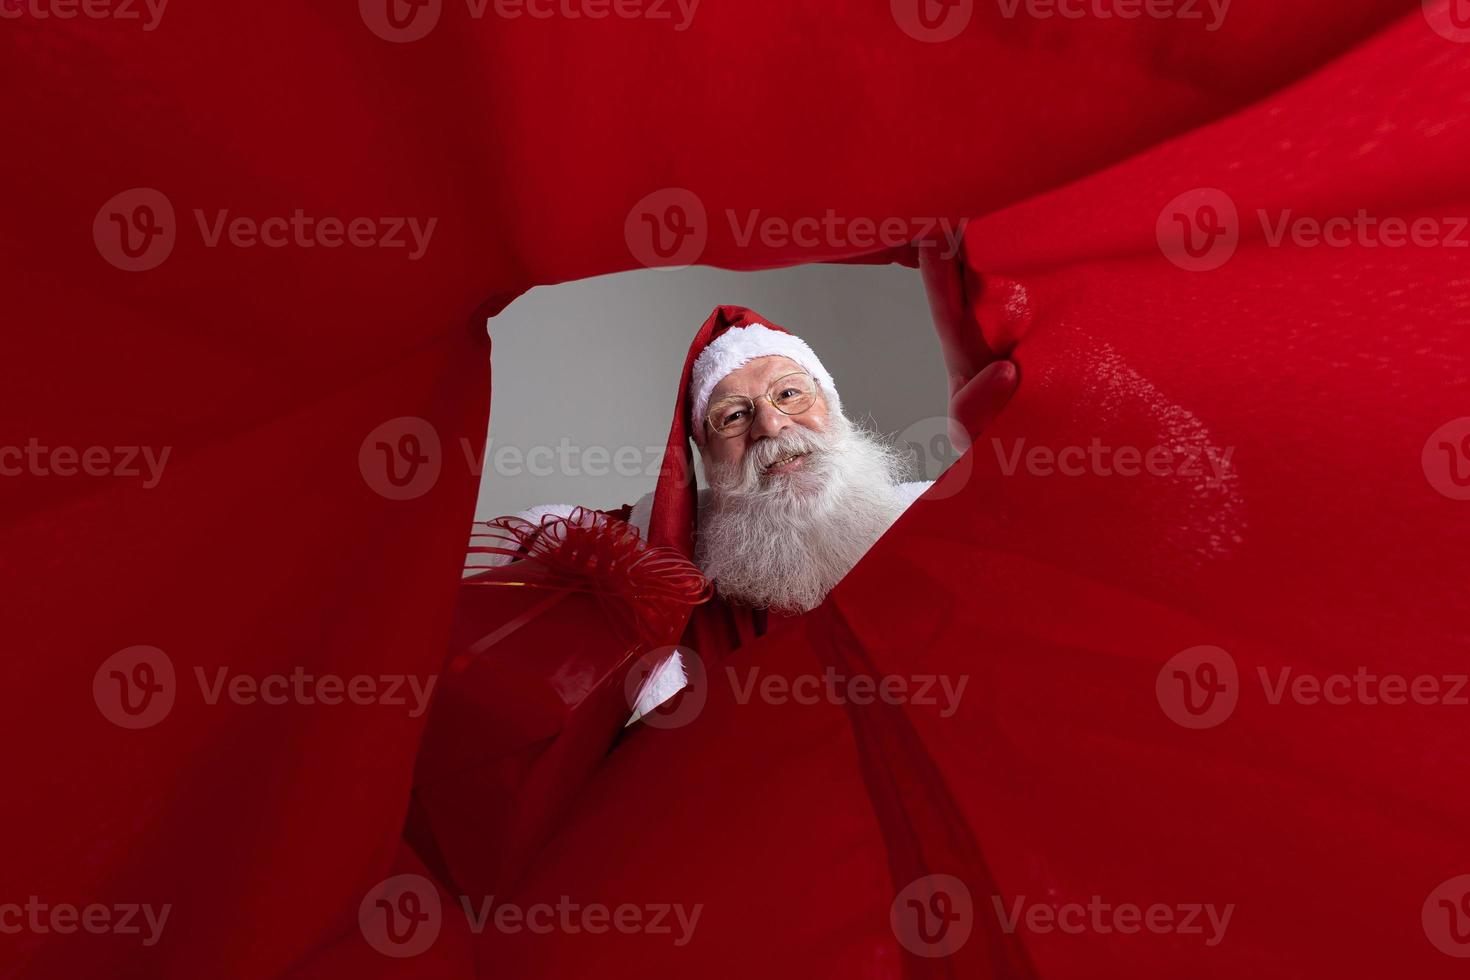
(768, 421)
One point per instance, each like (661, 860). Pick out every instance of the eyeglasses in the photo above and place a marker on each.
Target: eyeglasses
(790, 395)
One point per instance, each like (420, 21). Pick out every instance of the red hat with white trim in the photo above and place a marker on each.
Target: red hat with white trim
(731, 337)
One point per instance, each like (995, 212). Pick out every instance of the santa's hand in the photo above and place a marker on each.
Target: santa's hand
(979, 385)
(975, 405)
(960, 339)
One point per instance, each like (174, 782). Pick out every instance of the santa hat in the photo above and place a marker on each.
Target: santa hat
(730, 338)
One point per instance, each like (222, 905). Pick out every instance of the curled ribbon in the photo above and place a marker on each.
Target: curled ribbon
(646, 592)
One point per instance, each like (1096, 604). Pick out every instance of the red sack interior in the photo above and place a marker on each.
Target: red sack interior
(269, 373)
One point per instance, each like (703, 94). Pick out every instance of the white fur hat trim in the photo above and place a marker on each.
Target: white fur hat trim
(737, 347)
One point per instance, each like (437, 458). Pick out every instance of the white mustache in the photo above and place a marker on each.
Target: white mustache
(784, 542)
(794, 441)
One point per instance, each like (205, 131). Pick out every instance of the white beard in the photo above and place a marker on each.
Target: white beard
(782, 541)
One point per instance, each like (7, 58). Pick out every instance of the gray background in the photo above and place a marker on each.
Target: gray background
(586, 373)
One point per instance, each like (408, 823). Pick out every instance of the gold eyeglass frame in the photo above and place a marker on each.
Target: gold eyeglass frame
(769, 396)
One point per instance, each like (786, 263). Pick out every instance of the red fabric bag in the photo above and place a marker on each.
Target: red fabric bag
(277, 540)
(1190, 690)
(546, 657)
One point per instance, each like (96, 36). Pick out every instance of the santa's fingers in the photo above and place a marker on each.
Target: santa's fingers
(960, 338)
(975, 405)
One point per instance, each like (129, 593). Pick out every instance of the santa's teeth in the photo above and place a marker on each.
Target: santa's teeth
(784, 459)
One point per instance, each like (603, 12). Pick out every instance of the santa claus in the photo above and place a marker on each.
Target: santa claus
(796, 494)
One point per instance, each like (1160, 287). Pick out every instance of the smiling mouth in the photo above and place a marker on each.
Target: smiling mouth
(785, 463)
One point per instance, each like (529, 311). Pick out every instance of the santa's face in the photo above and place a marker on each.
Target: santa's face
(783, 537)
(754, 380)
